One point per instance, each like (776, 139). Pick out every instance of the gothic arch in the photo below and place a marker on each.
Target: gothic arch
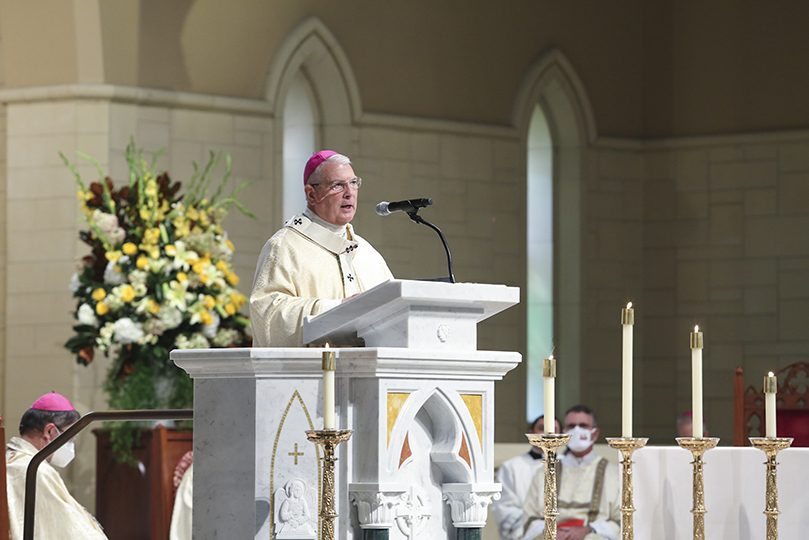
(552, 83)
(312, 52)
(452, 426)
(313, 49)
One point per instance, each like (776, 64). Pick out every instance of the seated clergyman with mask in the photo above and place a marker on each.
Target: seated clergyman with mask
(588, 488)
(316, 260)
(58, 514)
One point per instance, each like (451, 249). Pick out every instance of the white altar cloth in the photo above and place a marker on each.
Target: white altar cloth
(734, 494)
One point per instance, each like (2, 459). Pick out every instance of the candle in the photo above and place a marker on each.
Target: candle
(627, 321)
(696, 383)
(548, 376)
(329, 365)
(770, 387)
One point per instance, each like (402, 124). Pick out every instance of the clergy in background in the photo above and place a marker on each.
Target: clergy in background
(58, 514)
(316, 260)
(588, 488)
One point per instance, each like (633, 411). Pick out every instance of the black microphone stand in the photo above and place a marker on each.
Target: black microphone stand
(414, 215)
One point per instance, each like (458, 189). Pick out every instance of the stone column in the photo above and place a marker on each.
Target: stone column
(376, 505)
(469, 504)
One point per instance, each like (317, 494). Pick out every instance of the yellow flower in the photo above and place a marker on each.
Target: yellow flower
(154, 252)
(99, 294)
(129, 248)
(182, 276)
(232, 278)
(218, 229)
(203, 278)
(113, 255)
(199, 266)
(203, 219)
(209, 302)
(206, 318)
(102, 308)
(145, 214)
(153, 306)
(229, 244)
(171, 250)
(127, 293)
(192, 214)
(222, 265)
(142, 262)
(230, 309)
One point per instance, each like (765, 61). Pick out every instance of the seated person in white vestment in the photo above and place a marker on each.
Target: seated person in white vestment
(58, 514)
(588, 488)
(316, 260)
(515, 476)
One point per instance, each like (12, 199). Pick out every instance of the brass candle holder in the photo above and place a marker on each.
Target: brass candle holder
(771, 447)
(698, 446)
(549, 443)
(627, 445)
(328, 439)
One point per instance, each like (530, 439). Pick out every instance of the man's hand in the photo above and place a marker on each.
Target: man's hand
(572, 533)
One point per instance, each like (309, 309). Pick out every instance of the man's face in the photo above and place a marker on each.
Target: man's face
(336, 208)
(580, 419)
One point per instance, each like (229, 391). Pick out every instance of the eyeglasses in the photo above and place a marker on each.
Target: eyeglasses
(583, 425)
(339, 187)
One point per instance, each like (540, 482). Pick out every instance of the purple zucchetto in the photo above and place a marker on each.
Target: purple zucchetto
(315, 161)
(53, 402)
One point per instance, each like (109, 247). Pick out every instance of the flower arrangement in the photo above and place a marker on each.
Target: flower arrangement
(159, 276)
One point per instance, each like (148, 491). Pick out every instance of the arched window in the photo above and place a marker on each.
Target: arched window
(298, 143)
(539, 237)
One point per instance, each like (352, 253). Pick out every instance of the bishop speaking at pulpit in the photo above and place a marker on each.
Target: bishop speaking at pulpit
(409, 384)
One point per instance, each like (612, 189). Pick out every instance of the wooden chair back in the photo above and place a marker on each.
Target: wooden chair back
(792, 406)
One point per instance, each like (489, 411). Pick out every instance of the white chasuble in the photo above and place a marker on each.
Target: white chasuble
(58, 515)
(301, 271)
(587, 495)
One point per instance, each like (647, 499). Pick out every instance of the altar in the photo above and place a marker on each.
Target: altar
(734, 494)
(420, 460)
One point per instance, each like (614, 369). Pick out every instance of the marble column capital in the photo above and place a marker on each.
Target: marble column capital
(469, 503)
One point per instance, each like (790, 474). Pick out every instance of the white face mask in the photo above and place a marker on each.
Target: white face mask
(64, 454)
(580, 439)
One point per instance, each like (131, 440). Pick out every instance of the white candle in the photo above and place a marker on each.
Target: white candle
(696, 383)
(627, 321)
(329, 365)
(770, 388)
(548, 376)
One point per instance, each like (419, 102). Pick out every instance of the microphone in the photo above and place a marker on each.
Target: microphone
(410, 205)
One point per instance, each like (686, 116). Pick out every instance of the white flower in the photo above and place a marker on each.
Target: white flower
(196, 341)
(127, 331)
(75, 283)
(183, 259)
(86, 315)
(104, 339)
(171, 317)
(225, 337)
(209, 330)
(112, 274)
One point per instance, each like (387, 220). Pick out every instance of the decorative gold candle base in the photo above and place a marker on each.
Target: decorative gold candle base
(771, 447)
(627, 445)
(328, 439)
(698, 447)
(549, 443)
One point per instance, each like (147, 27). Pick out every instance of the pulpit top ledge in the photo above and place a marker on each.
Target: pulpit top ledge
(412, 314)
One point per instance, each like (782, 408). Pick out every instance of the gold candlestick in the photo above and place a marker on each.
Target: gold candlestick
(771, 447)
(328, 439)
(698, 446)
(627, 445)
(549, 443)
